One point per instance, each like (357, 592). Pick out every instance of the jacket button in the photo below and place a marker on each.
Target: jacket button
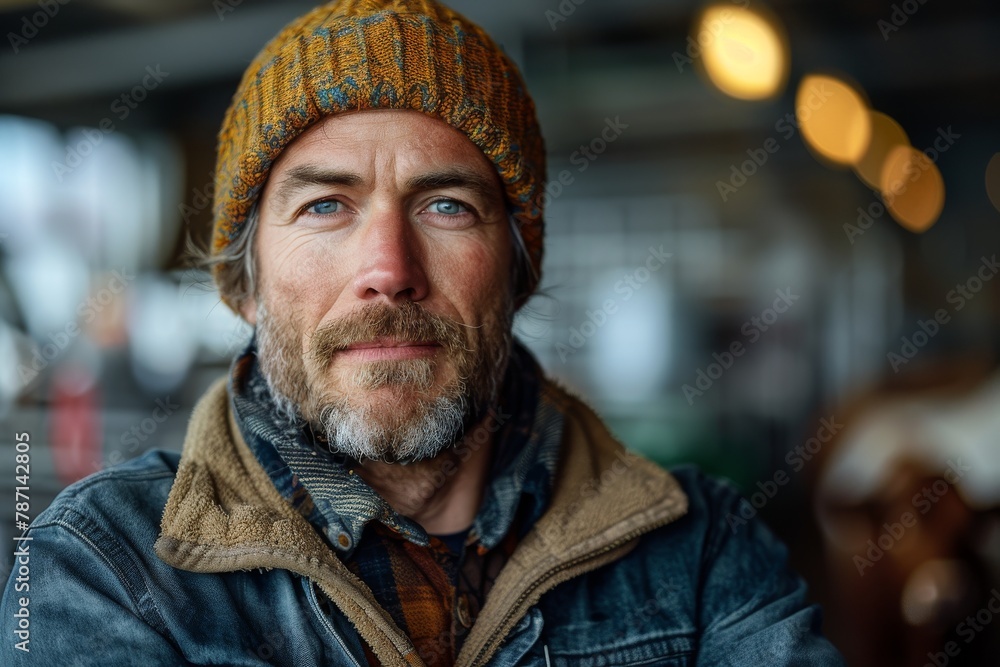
(464, 617)
(344, 540)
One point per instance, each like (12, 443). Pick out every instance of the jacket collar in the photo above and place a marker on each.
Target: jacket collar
(224, 514)
(340, 504)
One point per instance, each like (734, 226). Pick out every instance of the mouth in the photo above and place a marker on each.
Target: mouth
(388, 348)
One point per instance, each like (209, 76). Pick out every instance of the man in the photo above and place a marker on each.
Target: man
(386, 476)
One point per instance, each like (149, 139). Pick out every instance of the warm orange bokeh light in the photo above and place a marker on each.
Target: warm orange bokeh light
(887, 134)
(744, 53)
(913, 188)
(834, 118)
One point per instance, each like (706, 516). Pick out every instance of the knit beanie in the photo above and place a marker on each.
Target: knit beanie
(350, 55)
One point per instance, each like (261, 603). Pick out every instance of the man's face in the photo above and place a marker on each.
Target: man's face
(384, 302)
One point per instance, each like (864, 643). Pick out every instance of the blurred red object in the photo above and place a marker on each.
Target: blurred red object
(75, 424)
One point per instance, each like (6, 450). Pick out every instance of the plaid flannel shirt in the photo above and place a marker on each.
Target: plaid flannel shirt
(432, 586)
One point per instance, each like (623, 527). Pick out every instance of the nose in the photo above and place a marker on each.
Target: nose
(391, 260)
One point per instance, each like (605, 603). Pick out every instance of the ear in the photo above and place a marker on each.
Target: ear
(248, 309)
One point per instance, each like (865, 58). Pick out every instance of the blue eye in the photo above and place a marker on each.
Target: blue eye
(324, 208)
(449, 207)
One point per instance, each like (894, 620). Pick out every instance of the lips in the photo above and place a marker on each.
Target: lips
(381, 343)
(385, 349)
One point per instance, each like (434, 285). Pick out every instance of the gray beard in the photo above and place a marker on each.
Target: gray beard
(374, 432)
(356, 433)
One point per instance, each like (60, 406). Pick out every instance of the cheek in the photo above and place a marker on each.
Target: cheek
(472, 274)
(301, 271)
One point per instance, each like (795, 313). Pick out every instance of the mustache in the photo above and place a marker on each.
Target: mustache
(409, 321)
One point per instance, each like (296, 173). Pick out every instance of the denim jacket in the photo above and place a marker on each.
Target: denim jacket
(197, 559)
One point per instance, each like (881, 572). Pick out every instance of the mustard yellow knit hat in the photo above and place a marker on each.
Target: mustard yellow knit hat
(351, 55)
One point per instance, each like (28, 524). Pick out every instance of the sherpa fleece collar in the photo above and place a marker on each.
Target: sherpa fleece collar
(224, 514)
(527, 440)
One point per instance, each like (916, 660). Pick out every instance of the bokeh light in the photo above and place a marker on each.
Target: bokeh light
(744, 52)
(913, 188)
(886, 134)
(993, 180)
(834, 118)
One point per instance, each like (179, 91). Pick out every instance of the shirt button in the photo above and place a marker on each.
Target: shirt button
(344, 540)
(464, 617)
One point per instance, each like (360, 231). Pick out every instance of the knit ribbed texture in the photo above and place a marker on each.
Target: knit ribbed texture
(352, 55)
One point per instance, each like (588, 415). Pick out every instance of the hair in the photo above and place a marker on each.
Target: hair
(235, 267)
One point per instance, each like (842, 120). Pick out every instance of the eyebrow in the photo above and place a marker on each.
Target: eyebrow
(453, 177)
(457, 177)
(305, 176)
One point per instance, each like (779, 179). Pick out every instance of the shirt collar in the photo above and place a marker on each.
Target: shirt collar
(528, 431)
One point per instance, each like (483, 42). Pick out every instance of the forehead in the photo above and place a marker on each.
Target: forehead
(407, 139)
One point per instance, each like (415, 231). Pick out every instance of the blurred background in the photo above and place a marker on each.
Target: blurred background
(771, 248)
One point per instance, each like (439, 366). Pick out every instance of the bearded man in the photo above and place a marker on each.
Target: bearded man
(386, 477)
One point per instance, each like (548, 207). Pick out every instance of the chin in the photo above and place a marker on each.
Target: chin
(390, 426)
(399, 380)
